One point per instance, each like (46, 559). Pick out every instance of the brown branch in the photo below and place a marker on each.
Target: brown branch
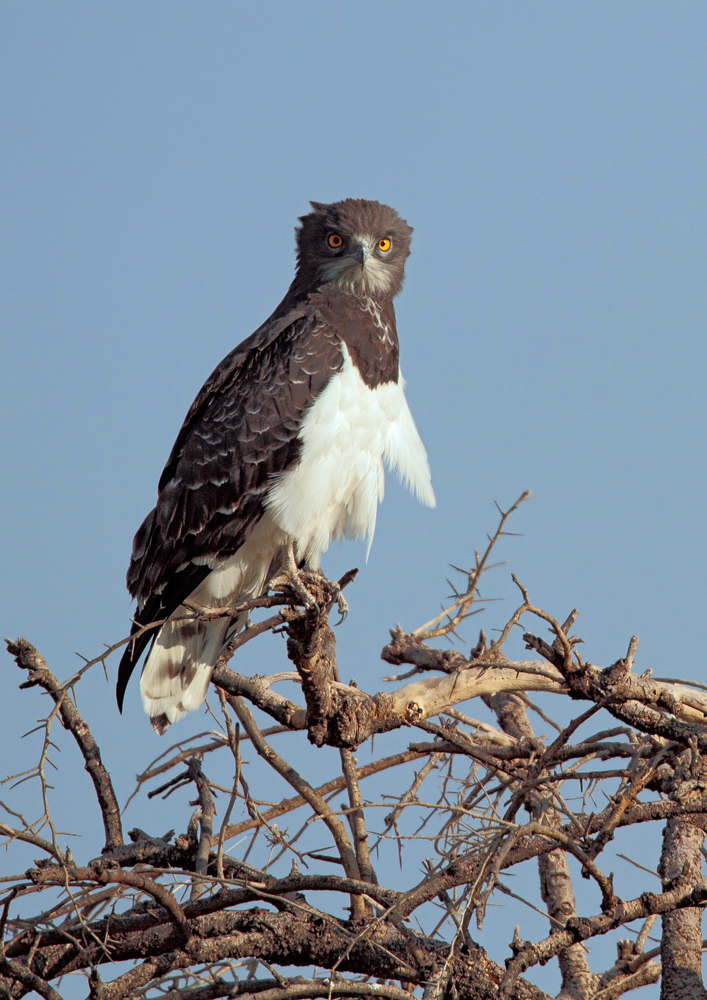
(298, 935)
(27, 837)
(253, 886)
(458, 610)
(275, 705)
(21, 974)
(667, 710)
(240, 914)
(646, 973)
(273, 990)
(356, 817)
(206, 823)
(153, 968)
(558, 896)
(312, 648)
(27, 658)
(465, 867)
(234, 744)
(342, 717)
(681, 895)
(318, 804)
(100, 874)
(555, 883)
(680, 862)
(634, 967)
(288, 805)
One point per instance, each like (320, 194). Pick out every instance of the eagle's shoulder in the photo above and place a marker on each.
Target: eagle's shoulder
(228, 372)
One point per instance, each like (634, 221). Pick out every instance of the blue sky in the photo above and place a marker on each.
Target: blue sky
(551, 158)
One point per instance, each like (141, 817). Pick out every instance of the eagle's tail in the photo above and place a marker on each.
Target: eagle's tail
(179, 666)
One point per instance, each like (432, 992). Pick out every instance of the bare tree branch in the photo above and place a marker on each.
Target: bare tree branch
(214, 912)
(27, 658)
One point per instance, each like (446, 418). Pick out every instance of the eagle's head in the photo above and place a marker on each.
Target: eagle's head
(360, 246)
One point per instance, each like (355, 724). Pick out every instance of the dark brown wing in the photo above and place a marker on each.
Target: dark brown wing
(241, 430)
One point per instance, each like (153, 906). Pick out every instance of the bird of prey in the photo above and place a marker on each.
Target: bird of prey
(281, 452)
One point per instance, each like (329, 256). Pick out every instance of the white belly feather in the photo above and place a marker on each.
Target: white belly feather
(334, 490)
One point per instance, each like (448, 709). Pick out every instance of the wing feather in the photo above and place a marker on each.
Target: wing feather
(241, 430)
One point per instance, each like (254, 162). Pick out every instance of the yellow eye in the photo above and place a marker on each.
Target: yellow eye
(334, 241)
(384, 244)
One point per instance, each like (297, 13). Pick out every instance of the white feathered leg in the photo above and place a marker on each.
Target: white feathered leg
(178, 668)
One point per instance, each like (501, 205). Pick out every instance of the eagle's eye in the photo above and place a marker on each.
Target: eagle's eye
(334, 241)
(384, 244)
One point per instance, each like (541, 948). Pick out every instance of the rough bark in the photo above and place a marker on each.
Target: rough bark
(681, 860)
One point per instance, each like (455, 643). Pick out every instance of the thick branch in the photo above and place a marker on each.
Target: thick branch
(681, 861)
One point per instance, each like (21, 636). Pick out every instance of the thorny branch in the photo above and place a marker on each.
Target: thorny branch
(385, 880)
(27, 658)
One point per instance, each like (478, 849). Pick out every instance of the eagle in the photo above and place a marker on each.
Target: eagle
(282, 451)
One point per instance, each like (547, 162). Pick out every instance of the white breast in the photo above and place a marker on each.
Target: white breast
(346, 435)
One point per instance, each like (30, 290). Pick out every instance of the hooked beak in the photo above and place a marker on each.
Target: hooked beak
(362, 253)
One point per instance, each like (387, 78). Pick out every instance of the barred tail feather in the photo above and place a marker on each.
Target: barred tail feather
(178, 668)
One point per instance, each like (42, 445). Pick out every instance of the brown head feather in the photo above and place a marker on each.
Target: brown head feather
(353, 219)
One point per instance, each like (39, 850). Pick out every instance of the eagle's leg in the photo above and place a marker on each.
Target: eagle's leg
(291, 576)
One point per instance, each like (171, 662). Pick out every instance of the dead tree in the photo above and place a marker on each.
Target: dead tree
(329, 891)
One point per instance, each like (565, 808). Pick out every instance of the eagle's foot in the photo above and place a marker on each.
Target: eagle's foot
(291, 576)
(311, 588)
(305, 596)
(335, 593)
(342, 604)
